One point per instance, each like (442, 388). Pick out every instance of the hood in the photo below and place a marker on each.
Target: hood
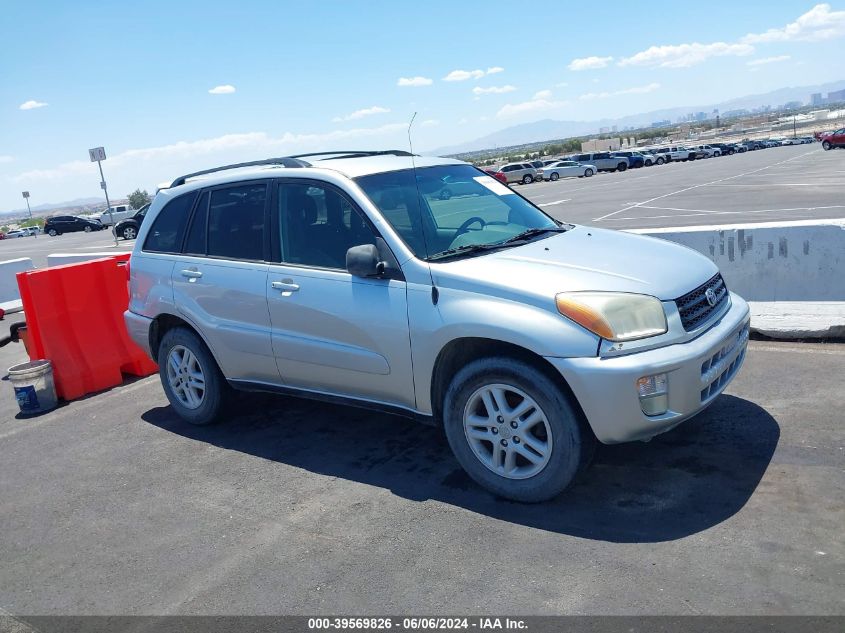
(584, 258)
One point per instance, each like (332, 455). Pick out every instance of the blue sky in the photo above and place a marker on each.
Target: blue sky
(136, 76)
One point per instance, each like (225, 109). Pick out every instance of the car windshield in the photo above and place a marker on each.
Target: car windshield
(452, 208)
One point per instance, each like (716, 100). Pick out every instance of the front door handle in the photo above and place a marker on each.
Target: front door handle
(191, 274)
(284, 286)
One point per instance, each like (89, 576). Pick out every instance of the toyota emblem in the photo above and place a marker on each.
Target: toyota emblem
(711, 296)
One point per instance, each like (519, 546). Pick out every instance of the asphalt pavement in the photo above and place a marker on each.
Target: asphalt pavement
(793, 182)
(111, 505)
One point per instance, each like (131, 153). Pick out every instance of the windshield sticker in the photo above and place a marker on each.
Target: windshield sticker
(494, 185)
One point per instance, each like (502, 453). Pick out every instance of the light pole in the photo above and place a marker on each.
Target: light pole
(25, 195)
(98, 154)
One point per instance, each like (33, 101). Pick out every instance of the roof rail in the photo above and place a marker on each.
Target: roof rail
(351, 153)
(285, 161)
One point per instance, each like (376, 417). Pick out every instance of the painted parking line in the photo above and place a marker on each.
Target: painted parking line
(551, 204)
(704, 184)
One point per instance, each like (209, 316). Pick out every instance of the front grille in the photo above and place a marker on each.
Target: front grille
(694, 307)
(717, 371)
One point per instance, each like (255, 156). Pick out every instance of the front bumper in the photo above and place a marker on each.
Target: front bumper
(697, 372)
(138, 327)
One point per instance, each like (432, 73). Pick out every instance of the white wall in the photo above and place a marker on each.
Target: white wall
(773, 261)
(10, 296)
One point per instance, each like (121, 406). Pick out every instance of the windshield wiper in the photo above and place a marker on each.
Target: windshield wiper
(520, 237)
(466, 249)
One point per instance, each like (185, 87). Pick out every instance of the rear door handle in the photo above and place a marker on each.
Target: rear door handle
(191, 274)
(284, 286)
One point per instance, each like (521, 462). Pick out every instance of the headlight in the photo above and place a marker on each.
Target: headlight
(615, 316)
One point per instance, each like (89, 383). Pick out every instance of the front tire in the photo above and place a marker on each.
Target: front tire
(129, 233)
(52, 233)
(190, 377)
(826, 145)
(588, 173)
(87, 229)
(514, 431)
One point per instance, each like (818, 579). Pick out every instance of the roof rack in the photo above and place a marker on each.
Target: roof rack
(285, 161)
(351, 153)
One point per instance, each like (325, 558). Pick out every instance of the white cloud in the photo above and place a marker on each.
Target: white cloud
(32, 105)
(225, 89)
(526, 107)
(768, 60)
(430, 123)
(6, 159)
(542, 95)
(684, 55)
(493, 90)
(562, 84)
(184, 156)
(414, 82)
(463, 75)
(360, 114)
(627, 91)
(819, 23)
(589, 63)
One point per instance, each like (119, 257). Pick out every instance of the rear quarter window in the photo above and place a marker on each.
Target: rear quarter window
(168, 230)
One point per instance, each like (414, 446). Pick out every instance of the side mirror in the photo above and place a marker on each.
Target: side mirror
(363, 261)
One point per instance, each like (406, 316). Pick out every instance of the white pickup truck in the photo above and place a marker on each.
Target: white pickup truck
(118, 212)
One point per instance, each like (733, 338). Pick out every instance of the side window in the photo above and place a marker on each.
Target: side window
(318, 225)
(166, 233)
(196, 242)
(236, 222)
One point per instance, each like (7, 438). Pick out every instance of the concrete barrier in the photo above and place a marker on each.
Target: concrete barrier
(792, 273)
(58, 259)
(10, 296)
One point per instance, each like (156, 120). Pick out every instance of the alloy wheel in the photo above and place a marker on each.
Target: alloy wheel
(507, 431)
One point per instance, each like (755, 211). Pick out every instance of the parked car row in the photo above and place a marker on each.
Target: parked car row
(587, 164)
(27, 231)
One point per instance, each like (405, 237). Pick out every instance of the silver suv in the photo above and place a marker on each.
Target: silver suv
(604, 161)
(348, 277)
(526, 173)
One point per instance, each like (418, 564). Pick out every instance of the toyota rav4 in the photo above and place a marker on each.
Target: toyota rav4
(346, 276)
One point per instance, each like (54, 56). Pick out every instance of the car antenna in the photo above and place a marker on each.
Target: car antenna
(435, 293)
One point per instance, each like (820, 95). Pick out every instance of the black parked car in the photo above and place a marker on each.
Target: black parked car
(70, 224)
(128, 228)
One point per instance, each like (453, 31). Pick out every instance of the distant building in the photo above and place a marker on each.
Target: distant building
(792, 105)
(604, 130)
(729, 114)
(816, 99)
(835, 97)
(601, 145)
(663, 123)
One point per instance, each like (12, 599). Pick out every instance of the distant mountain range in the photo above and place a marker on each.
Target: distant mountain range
(549, 129)
(55, 206)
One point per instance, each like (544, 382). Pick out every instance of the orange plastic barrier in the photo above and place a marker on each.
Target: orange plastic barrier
(74, 317)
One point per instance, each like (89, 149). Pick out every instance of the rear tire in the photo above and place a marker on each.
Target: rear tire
(622, 167)
(87, 229)
(554, 176)
(191, 379)
(660, 160)
(527, 179)
(526, 456)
